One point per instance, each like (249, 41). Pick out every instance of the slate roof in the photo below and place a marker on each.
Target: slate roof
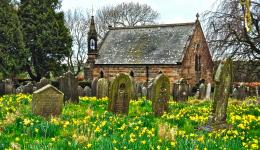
(155, 44)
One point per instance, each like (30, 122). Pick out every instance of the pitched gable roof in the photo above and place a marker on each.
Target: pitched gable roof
(155, 44)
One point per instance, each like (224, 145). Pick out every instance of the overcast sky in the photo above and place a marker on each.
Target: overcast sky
(171, 11)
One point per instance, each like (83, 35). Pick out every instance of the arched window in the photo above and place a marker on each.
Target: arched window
(92, 44)
(197, 62)
(101, 74)
(132, 73)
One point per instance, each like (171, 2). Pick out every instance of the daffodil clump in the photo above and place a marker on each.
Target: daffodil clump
(88, 125)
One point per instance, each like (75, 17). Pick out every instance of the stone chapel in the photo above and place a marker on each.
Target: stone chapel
(178, 50)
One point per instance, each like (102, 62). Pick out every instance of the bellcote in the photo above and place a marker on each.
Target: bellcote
(92, 36)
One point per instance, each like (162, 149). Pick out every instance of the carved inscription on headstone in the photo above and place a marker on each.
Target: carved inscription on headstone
(47, 101)
(120, 94)
(160, 94)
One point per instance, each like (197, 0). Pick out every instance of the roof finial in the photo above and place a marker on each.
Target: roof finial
(197, 16)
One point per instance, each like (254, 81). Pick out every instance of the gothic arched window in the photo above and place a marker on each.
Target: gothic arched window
(92, 44)
(197, 62)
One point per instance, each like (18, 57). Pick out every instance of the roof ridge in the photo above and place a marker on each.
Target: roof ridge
(153, 26)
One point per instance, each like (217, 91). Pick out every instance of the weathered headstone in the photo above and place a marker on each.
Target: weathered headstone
(144, 91)
(47, 101)
(34, 88)
(9, 87)
(19, 89)
(160, 94)
(94, 87)
(257, 91)
(102, 88)
(2, 88)
(223, 80)
(202, 91)
(149, 89)
(81, 91)
(208, 91)
(235, 93)
(87, 91)
(69, 86)
(241, 92)
(135, 96)
(28, 88)
(120, 93)
(43, 82)
(139, 90)
(181, 90)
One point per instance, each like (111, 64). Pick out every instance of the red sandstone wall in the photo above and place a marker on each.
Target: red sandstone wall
(188, 64)
(172, 71)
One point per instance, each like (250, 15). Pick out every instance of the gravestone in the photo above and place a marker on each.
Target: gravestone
(208, 91)
(235, 93)
(160, 94)
(135, 96)
(102, 88)
(87, 91)
(257, 91)
(144, 91)
(181, 89)
(19, 89)
(149, 89)
(202, 91)
(28, 88)
(94, 87)
(241, 92)
(47, 101)
(139, 90)
(120, 93)
(2, 88)
(43, 82)
(81, 91)
(223, 80)
(8, 87)
(69, 86)
(34, 88)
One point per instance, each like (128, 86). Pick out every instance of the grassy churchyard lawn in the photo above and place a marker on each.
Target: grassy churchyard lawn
(88, 125)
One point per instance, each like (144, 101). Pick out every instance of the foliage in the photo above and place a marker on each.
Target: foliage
(47, 39)
(233, 29)
(77, 22)
(11, 40)
(88, 125)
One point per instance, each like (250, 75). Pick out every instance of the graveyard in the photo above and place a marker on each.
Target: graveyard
(121, 117)
(88, 125)
(127, 76)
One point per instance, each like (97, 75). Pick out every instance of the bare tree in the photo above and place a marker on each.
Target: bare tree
(77, 21)
(125, 14)
(227, 32)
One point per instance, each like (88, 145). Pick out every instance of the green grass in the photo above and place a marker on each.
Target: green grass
(88, 125)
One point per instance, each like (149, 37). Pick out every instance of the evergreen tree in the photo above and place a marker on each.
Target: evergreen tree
(12, 53)
(46, 37)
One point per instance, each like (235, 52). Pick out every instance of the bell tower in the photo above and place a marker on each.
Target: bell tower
(92, 50)
(92, 37)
